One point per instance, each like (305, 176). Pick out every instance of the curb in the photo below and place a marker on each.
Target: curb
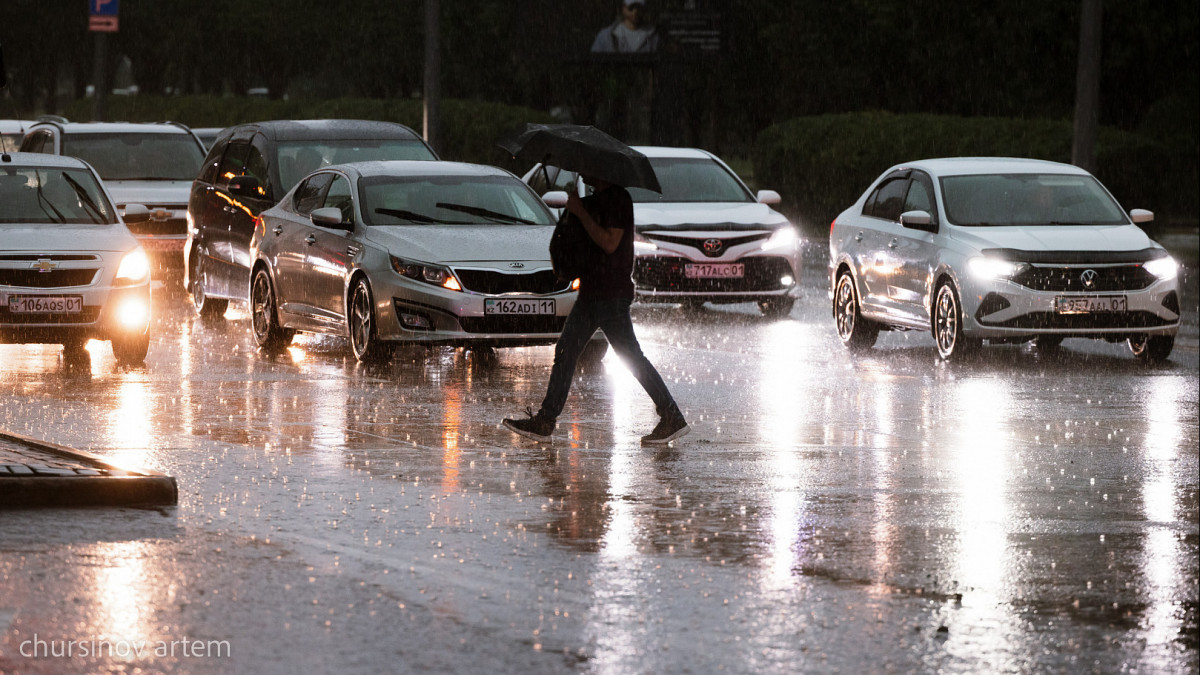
(120, 487)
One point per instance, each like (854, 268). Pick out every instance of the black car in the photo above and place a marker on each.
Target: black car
(248, 169)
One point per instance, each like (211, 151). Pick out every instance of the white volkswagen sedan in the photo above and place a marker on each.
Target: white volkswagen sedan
(706, 237)
(438, 253)
(70, 271)
(1002, 250)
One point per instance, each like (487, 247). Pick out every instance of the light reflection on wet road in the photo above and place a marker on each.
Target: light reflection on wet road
(827, 512)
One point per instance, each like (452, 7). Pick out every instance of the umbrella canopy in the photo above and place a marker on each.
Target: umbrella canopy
(583, 149)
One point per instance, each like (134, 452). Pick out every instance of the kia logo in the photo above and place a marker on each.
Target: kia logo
(713, 245)
(1088, 278)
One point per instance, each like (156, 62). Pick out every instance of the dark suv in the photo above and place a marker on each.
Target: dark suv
(248, 169)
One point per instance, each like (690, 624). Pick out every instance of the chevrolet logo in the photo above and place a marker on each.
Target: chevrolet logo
(43, 265)
(161, 214)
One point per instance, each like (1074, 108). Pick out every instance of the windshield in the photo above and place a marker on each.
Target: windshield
(692, 180)
(297, 159)
(29, 195)
(137, 156)
(1028, 199)
(450, 200)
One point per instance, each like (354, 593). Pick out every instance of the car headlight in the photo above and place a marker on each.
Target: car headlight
(993, 269)
(430, 274)
(643, 245)
(1163, 268)
(134, 267)
(784, 237)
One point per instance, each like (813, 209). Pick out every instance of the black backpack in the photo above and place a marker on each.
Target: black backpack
(572, 251)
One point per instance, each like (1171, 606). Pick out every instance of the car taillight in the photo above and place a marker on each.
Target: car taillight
(259, 227)
(831, 226)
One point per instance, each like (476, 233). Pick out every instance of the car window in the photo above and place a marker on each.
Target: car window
(256, 165)
(211, 163)
(47, 196)
(919, 198)
(450, 200)
(299, 158)
(137, 156)
(887, 201)
(689, 179)
(37, 142)
(310, 194)
(1029, 199)
(233, 163)
(338, 196)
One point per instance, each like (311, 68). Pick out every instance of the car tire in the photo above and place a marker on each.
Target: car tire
(131, 350)
(855, 332)
(264, 316)
(360, 319)
(947, 325)
(776, 307)
(1151, 349)
(206, 307)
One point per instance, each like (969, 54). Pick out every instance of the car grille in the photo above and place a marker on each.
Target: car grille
(1070, 279)
(1082, 321)
(53, 279)
(88, 315)
(513, 324)
(495, 283)
(666, 275)
(712, 247)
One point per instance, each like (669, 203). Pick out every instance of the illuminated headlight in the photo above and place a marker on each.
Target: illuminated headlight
(643, 245)
(784, 237)
(1163, 268)
(992, 269)
(133, 313)
(430, 274)
(134, 268)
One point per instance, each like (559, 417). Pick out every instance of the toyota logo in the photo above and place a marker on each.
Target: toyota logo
(1088, 278)
(713, 245)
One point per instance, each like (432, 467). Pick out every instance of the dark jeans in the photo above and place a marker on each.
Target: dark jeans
(611, 316)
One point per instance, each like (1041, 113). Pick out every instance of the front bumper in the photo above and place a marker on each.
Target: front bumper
(105, 309)
(664, 278)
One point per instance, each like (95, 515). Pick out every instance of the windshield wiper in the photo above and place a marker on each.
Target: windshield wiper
(42, 200)
(406, 215)
(484, 213)
(1067, 222)
(83, 197)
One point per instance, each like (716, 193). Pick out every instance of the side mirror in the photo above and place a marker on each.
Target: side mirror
(247, 186)
(769, 197)
(556, 199)
(917, 220)
(1141, 215)
(331, 217)
(136, 213)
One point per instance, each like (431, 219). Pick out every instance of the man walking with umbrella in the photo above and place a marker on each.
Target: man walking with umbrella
(605, 295)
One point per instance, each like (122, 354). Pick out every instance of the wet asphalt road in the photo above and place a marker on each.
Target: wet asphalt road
(827, 513)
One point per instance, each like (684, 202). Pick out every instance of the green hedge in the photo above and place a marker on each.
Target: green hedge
(822, 164)
(469, 128)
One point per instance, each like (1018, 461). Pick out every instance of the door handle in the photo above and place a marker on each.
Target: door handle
(893, 243)
(858, 237)
(278, 230)
(310, 240)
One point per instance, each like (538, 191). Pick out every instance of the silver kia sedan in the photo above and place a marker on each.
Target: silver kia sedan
(437, 253)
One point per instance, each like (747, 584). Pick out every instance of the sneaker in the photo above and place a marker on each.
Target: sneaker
(669, 428)
(536, 427)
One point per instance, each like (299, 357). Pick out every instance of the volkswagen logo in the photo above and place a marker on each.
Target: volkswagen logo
(713, 246)
(1089, 279)
(516, 265)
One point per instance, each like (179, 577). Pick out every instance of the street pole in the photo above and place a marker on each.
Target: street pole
(433, 75)
(98, 73)
(1087, 88)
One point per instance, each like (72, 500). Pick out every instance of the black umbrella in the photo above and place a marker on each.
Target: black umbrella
(584, 150)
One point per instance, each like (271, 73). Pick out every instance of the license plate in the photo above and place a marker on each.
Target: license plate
(162, 244)
(714, 270)
(518, 306)
(1089, 304)
(45, 304)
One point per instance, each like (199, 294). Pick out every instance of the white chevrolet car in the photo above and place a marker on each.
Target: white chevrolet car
(390, 252)
(706, 237)
(1002, 250)
(69, 269)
